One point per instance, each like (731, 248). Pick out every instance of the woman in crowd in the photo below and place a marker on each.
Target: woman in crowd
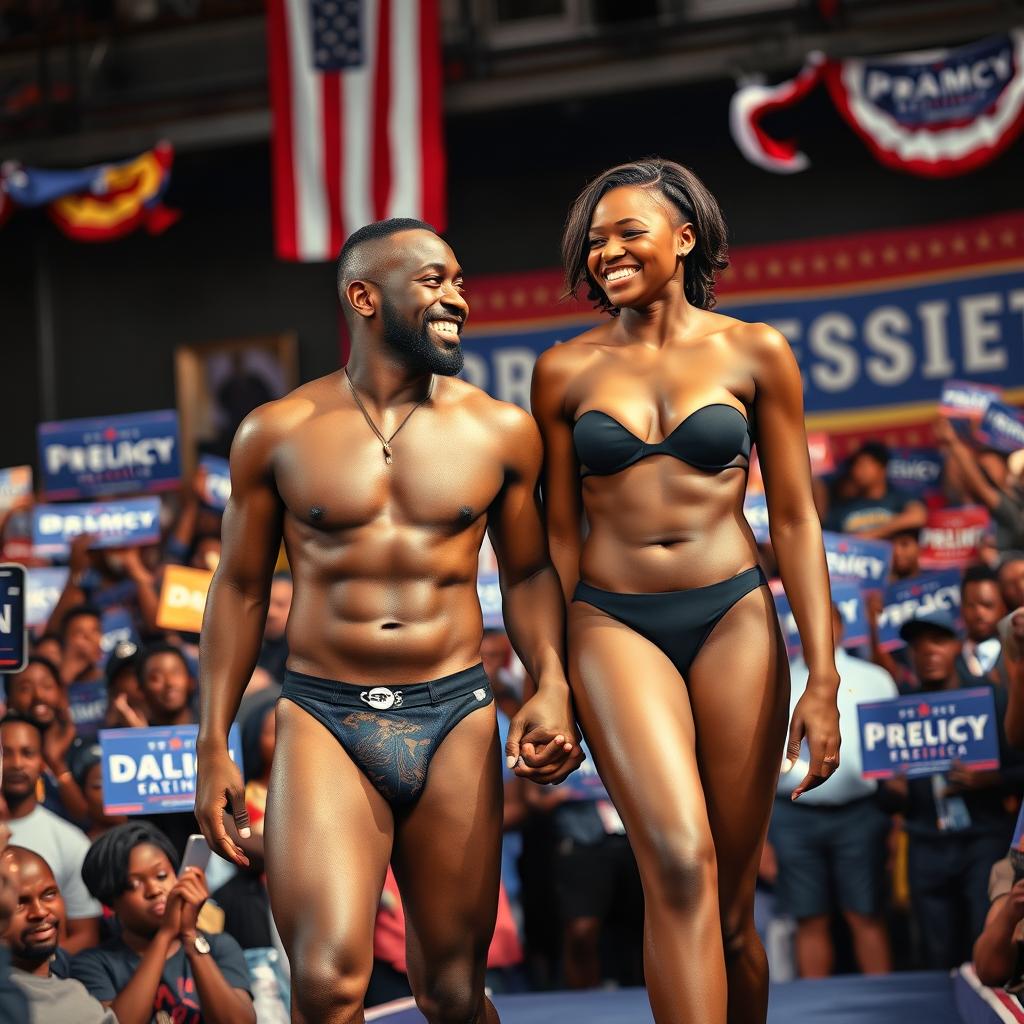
(161, 963)
(677, 663)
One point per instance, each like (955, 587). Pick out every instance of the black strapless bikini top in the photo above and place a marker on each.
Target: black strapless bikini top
(710, 438)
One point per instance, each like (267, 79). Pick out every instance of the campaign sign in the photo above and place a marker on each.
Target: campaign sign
(488, 591)
(905, 600)
(755, 508)
(216, 481)
(13, 632)
(110, 455)
(962, 400)
(951, 536)
(923, 733)
(115, 524)
(43, 588)
(852, 558)
(917, 471)
(15, 483)
(1002, 428)
(153, 771)
(116, 626)
(183, 598)
(848, 597)
(87, 704)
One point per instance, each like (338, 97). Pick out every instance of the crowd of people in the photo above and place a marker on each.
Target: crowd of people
(100, 919)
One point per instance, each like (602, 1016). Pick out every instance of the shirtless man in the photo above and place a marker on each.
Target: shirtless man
(382, 479)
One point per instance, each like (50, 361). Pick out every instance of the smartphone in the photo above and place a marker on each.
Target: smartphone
(13, 630)
(197, 853)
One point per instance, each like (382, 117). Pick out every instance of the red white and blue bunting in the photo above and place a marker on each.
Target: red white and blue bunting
(935, 113)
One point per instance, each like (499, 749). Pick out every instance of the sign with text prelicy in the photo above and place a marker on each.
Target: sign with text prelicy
(153, 770)
(110, 455)
(923, 733)
(921, 595)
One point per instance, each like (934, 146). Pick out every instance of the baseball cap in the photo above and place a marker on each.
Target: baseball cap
(936, 618)
(125, 653)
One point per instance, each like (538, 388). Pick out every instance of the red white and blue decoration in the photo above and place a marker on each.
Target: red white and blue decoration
(355, 91)
(934, 113)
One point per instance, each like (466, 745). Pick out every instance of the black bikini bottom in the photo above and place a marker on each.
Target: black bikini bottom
(676, 621)
(391, 732)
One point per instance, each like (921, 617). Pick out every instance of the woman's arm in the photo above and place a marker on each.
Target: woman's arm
(796, 539)
(134, 1003)
(560, 479)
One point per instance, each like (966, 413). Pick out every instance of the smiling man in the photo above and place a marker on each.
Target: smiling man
(39, 966)
(382, 479)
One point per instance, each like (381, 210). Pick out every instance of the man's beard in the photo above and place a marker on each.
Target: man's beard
(414, 346)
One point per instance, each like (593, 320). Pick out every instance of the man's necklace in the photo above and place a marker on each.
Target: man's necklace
(385, 441)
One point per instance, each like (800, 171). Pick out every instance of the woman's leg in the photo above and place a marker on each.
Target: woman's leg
(739, 691)
(635, 712)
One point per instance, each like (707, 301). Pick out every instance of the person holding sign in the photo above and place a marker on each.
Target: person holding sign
(956, 822)
(382, 479)
(677, 662)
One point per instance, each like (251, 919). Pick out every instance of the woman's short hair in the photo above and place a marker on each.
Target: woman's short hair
(105, 868)
(690, 198)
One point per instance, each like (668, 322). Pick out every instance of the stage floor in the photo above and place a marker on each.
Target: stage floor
(892, 999)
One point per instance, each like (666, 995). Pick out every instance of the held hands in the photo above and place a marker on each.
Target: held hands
(815, 718)
(543, 742)
(218, 784)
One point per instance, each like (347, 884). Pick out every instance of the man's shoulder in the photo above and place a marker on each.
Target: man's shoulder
(272, 420)
(484, 407)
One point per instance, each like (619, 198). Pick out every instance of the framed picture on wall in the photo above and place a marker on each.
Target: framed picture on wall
(219, 383)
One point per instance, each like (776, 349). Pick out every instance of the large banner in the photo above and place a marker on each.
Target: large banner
(113, 524)
(878, 321)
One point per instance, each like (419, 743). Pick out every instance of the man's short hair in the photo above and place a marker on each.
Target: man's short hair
(347, 268)
(978, 574)
(39, 659)
(914, 532)
(105, 868)
(79, 611)
(876, 450)
(17, 716)
(152, 651)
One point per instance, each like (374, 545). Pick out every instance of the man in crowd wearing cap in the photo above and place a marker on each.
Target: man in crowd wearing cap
(875, 509)
(837, 832)
(61, 844)
(956, 822)
(39, 965)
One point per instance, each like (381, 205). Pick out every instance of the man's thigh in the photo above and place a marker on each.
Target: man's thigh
(447, 854)
(803, 888)
(858, 856)
(328, 836)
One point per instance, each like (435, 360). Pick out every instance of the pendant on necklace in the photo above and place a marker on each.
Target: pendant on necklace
(387, 453)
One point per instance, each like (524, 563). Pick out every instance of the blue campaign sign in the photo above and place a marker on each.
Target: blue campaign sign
(852, 558)
(923, 733)
(848, 597)
(1002, 427)
(153, 771)
(87, 702)
(216, 481)
(755, 508)
(115, 524)
(915, 470)
(13, 630)
(116, 626)
(43, 587)
(110, 455)
(489, 592)
(903, 601)
(965, 400)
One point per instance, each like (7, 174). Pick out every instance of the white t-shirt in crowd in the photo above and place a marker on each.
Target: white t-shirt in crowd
(860, 682)
(63, 847)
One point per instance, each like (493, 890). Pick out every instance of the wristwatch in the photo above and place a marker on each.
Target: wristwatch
(200, 943)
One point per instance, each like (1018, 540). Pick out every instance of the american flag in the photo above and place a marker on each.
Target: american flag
(355, 90)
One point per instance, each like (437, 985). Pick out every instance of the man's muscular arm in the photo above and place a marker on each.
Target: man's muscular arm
(236, 611)
(543, 732)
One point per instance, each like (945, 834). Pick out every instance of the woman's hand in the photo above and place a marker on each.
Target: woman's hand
(543, 743)
(816, 719)
(194, 892)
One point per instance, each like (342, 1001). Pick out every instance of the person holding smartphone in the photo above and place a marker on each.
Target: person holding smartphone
(161, 961)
